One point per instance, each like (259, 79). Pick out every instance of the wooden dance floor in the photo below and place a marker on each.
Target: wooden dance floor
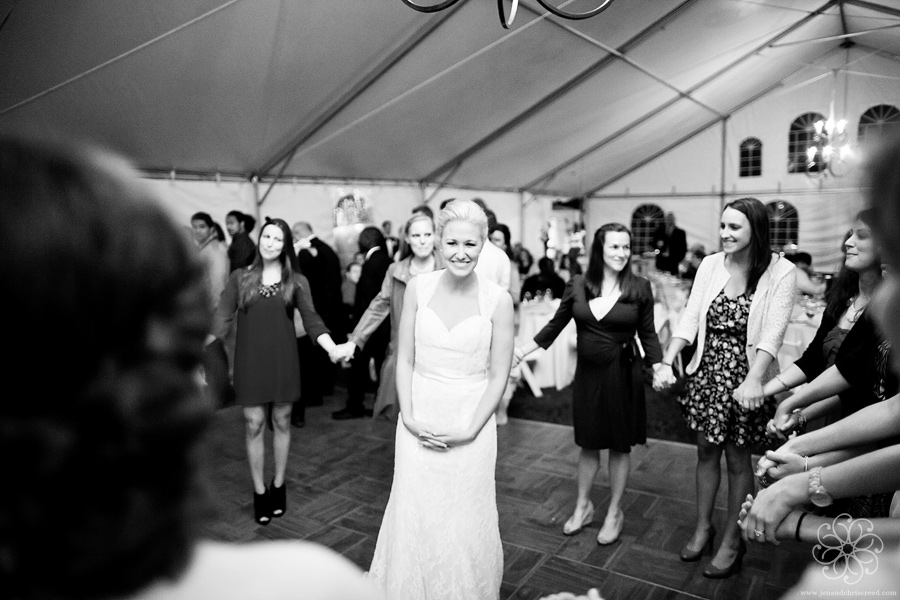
(339, 479)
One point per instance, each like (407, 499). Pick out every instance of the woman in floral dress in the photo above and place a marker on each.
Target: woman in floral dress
(738, 310)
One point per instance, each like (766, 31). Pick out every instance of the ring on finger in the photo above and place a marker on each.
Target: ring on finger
(758, 532)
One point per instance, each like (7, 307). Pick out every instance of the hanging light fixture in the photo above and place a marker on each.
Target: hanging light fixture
(830, 151)
(507, 19)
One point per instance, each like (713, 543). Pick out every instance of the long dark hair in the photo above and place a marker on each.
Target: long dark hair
(252, 276)
(846, 284)
(594, 274)
(760, 239)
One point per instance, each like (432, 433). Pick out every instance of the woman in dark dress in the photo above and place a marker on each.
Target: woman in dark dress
(266, 366)
(610, 304)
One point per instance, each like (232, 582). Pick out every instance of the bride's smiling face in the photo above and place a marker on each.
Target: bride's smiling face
(461, 243)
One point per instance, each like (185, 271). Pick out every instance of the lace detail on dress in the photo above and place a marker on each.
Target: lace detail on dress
(440, 537)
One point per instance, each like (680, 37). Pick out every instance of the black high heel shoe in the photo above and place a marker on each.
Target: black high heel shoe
(688, 555)
(277, 498)
(712, 572)
(261, 511)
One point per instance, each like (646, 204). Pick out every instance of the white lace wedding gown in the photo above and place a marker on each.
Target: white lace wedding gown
(440, 537)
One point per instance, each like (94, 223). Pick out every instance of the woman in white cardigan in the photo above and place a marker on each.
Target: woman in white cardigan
(738, 310)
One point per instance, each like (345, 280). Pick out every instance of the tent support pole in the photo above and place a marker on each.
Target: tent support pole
(722, 172)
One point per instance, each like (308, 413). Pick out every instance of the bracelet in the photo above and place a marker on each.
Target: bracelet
(786, 387)
(799, 521)
(806, 463)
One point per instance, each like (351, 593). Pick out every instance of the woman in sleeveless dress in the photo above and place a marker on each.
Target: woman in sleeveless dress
(440, 537)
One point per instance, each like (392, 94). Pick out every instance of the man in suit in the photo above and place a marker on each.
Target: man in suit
(377, 261)
(671, 245)
(391, 243)
(320, 265)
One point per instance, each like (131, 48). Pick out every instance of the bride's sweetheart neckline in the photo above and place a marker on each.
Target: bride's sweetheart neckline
(450, 329)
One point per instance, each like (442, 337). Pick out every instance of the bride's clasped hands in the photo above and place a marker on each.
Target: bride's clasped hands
(434, 440)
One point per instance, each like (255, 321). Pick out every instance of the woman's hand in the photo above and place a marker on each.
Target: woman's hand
(448, 439)
(518, 356)
(783, 463)
(769, 509)
(785, 529)
(750, 394)
(663, 378)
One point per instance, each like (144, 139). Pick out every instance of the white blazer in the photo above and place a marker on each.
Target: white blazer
(770, 310)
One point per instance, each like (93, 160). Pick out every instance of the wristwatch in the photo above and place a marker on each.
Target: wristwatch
(817, 494)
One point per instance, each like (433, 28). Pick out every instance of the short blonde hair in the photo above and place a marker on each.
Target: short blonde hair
(463, 210)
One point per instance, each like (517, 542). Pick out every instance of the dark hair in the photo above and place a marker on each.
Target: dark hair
(846, 284)
(594, 275)
(884, 195)
(444, 203)
(572, 260)
(101, 456)
(369, 238)
(424, 209)
(545, 265)
(507, 239)
(800, 257)
(760, 241)
(248, 222)
(220, 234)
(252, 276)
(202, 216)
(524, 260)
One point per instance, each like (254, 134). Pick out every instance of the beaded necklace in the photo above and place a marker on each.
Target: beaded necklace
(267, 291)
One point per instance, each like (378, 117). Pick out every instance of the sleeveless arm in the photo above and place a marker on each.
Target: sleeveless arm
(501, 360)
(406, 355)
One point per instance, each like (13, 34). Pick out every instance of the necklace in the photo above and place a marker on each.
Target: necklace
(856, 310)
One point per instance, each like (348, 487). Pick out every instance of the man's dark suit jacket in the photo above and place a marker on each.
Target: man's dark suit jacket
(676, 244)
(368, 286)
(324, 274)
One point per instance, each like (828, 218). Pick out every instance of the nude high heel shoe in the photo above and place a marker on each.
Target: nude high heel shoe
(573, 526)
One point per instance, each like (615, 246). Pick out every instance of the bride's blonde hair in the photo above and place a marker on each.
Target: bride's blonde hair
(463, 210)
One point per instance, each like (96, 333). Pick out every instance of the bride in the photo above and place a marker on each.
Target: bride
(440, 536)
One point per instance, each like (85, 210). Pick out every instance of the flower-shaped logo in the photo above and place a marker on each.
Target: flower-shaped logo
(848, 549)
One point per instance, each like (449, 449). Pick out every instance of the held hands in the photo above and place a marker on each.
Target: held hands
(783, 425)
(749, 394)
(436, 441)
(784, 530)
(592, 594)
(777, 465)
(518, 356)
(663, 377)
(342, 352)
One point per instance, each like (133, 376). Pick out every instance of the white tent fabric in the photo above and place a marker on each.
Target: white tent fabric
(652, 97)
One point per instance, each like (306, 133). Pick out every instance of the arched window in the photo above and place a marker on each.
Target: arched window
(878, 123)
(644, 221)
(751, 158)
(784, 224)
(801, 137)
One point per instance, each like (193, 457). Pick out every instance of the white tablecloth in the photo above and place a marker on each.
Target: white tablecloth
(555, 366)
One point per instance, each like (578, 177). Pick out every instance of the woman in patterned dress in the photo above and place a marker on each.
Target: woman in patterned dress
(738, 310)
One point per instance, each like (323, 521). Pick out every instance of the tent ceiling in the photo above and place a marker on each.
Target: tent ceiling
(373, 90)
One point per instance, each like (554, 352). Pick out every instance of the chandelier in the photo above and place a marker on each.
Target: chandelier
(830, 151)
(507, 19)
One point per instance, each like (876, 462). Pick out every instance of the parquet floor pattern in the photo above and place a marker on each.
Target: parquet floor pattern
(339, 480)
